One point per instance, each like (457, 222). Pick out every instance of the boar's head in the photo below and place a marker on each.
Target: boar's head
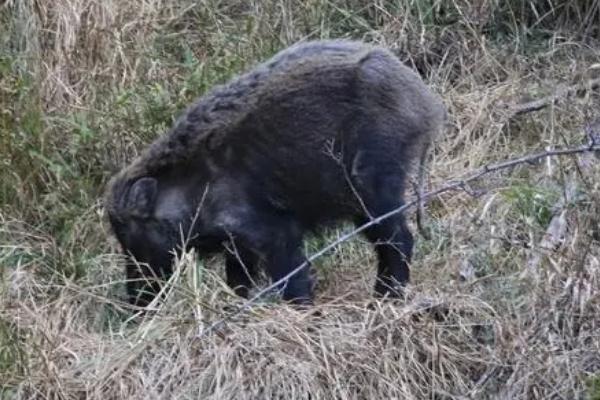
(152, 220)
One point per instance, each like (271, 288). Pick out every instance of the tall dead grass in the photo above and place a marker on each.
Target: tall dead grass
(85, 83)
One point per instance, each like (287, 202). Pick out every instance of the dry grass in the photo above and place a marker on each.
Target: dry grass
(84, 84)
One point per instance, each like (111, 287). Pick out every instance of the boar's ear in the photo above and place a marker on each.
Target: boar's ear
(142, 196)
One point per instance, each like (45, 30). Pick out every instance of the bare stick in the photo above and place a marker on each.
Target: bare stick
(338, 159)
(458, 184)
(562, 92)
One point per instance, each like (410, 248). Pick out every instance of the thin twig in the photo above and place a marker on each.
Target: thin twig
(339, 161)
(451, 186)
(562, 92)
(556, 229)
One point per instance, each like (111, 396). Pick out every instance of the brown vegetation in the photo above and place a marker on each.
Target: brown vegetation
(85, 84)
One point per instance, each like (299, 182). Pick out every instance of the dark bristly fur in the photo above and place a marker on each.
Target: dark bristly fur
(321, 132)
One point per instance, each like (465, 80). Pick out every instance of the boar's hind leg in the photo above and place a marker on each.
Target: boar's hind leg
(392, 239)
(393, 243)
(240, 268)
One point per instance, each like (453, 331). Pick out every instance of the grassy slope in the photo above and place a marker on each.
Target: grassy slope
(85, 84)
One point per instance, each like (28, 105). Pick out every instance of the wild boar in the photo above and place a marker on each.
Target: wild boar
(324, 131)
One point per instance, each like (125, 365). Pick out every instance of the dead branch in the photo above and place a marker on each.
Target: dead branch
(453, 185)
(555, 232)
(562, 92)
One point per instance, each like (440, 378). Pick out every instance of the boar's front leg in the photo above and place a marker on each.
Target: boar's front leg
(144, 282)
(240, 268)
(280, 260)
(278, 242)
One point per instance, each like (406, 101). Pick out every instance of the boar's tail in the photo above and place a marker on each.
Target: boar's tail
(419, 189)
(423, 171)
